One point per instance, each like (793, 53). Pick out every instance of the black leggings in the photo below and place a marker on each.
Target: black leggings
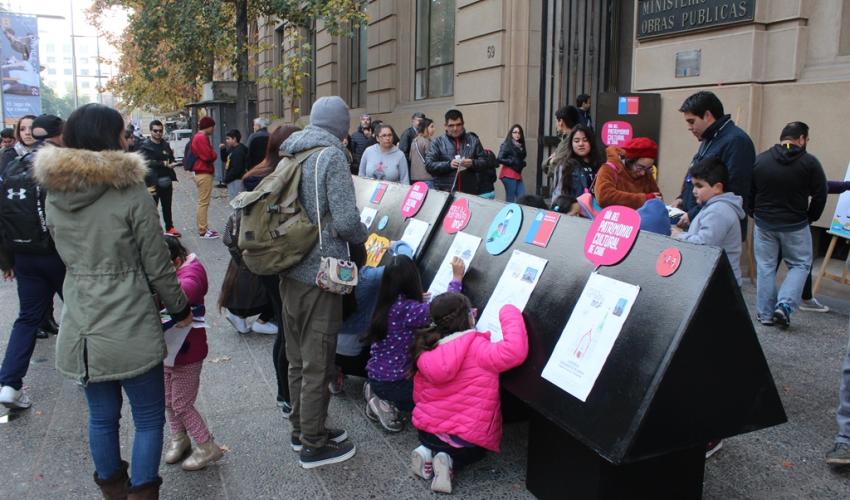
(461, 457)
(354, 365)
(281, 364)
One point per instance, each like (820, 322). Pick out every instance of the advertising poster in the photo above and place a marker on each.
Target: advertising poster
(593, 327)
(514, 287)
(840, 225)
(19, 56)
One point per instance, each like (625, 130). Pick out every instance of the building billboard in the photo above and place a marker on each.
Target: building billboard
(20, 68)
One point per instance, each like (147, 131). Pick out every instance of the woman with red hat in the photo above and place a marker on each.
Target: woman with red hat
(626, 179)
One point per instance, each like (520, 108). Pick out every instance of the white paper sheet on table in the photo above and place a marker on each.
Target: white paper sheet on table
(590, 333)
(174, 338)
(414, 233)
(514, 287)
(367, 216)
(464, 246)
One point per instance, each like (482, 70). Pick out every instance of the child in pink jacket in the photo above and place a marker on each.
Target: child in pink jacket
(456, 386)
(184, 378)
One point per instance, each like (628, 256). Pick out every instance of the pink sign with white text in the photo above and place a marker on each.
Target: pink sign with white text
(617, 133)
(414, 200)
(611, 235)
(457, 217)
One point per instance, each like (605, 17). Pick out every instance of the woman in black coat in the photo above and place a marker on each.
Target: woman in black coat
(512, 158)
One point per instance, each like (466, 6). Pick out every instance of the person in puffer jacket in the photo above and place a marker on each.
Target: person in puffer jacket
(456, 386)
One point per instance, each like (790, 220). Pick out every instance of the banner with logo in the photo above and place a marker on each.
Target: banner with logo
(20, 67)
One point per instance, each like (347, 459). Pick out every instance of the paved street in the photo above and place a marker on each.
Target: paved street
(45, 451)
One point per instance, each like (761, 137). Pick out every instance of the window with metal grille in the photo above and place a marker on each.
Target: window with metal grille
(435, 48)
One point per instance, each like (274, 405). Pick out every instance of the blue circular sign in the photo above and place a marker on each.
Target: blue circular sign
(504, 229)
(383, 222)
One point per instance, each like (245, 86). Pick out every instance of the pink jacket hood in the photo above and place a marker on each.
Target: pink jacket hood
(456, 386)
(193, 280)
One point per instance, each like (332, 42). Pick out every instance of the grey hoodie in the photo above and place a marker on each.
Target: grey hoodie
(337, 204)
(719, 224)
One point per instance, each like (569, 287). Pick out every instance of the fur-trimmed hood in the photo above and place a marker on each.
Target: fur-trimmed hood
(78, 177)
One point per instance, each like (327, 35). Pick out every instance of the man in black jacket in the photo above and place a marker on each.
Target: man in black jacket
(160, 172)
(457, 160)
(408, 135)
(258, 142)
(784, 178)
(360, 140)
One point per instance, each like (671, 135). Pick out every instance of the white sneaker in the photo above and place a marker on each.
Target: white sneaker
(239, 323)
(267, 328)
(813, 305)
(13, 399)
(442, 482)
(421, 463)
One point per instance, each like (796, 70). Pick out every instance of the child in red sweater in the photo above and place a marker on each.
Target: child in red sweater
(183, 378)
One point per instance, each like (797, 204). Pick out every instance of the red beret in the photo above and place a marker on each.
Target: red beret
(641, 147)
(206, 122)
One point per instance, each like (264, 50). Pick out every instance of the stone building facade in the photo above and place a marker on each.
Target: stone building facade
(515, 61)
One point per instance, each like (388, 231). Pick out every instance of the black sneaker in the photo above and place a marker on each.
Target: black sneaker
(782, 316)
(42, 334)
(335, 435)
(331, 453)
(286, 408)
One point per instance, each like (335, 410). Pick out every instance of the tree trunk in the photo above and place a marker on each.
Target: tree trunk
(243, 118)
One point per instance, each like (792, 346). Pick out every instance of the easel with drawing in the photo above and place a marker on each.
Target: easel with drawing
(839, 228)
(843, 278)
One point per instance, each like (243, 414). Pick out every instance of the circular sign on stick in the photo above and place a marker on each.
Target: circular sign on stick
(457, 217)
(383, 222)
(611, 235)
(503, 229)
(414, 200)
(668, 261)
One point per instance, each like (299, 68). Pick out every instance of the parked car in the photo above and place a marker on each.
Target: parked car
(178, 139)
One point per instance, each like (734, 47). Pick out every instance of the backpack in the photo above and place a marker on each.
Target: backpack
(189, 158)
(274, 231)
(489, 175)
(23, 225)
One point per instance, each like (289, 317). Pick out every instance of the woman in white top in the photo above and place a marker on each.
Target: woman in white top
(384, 161)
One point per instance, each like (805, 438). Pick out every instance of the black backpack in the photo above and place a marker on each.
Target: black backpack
(189, 158)
(23, 225)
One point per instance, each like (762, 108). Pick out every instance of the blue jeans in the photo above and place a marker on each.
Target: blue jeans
(796, 248)
(514, 189)
(147, 402)
(399, 393)
(233, 189)
(39, 277)
(842, 416)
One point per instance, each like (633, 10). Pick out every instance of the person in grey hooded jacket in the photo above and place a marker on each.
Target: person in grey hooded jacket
(719, 221)
(312, 317)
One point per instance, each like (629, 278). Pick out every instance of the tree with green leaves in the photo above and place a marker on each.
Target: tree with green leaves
(170, 48)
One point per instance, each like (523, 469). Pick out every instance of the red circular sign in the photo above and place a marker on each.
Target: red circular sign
(668, 262)
(457, 217)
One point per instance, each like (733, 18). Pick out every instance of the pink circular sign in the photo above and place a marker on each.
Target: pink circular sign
(611, 235)
(414, 200)
(457, 217)
(668, 262)
(616, 133)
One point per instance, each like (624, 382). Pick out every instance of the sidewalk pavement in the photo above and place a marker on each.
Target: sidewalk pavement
(45, 450)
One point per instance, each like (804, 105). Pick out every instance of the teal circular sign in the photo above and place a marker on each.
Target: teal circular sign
(504, 229)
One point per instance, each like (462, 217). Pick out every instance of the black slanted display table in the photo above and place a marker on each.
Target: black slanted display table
(686, 368)
(390, 205)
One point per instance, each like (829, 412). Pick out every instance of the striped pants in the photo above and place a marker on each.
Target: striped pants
(181, 390)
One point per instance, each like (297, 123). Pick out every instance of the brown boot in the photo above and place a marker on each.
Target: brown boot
(147, 491)
(115, 487)
(203, 455)
(177, 448)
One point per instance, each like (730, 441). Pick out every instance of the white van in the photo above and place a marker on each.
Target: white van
(178, 139)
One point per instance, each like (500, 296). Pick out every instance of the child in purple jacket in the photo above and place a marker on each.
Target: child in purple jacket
(401, 310)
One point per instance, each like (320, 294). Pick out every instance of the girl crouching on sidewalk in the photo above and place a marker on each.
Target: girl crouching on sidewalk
(184, 377)
(456, 386)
